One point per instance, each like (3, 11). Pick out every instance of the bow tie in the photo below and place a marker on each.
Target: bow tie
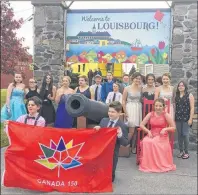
(30, 117)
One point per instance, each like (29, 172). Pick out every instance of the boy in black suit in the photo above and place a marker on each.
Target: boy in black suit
(115, 109)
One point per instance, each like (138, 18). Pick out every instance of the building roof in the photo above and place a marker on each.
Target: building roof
(93, 34)
(72, 37)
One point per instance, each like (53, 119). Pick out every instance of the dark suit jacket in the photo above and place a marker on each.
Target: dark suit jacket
(120, 141)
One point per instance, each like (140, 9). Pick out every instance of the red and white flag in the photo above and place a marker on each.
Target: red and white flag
(65, 160)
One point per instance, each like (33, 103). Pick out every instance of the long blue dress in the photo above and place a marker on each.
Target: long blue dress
(17, 106)
(63, 119)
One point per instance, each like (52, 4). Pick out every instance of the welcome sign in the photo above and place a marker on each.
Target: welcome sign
(122, 25)
(118, 36)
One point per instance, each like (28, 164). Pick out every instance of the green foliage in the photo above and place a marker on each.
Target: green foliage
(4, 138)
(125, 43)
(157, 58)
(91, 54)
(3, 96)
(12, 50)
(142, 59)
(166, 49)
(132, 70)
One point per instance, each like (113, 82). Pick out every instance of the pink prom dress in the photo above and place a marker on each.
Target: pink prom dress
(156, 153)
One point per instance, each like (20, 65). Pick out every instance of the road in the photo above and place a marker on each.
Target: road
(129, 180)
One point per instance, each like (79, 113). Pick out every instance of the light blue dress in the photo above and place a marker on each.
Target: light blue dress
(17, 106)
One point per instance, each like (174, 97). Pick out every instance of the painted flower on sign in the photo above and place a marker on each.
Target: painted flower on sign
(153, 51)
(133, 58)
(161, 45)
(165, 55)
(158, 15)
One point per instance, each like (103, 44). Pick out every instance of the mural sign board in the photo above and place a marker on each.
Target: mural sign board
(118, 36)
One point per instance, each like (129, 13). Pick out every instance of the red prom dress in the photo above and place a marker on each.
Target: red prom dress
(156, 153)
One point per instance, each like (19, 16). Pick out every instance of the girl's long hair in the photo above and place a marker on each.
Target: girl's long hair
(178, 92)
(44, 84)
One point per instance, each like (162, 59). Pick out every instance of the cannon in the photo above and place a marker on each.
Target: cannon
(78, 105)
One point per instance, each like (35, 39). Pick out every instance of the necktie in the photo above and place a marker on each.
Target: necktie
(114, 96)
(111, 123)
(96, 93)
(30, 117)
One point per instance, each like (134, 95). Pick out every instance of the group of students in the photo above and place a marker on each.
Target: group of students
(131, 92)
(156, 155)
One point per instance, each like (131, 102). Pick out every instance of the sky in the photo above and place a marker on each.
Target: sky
(24, 9)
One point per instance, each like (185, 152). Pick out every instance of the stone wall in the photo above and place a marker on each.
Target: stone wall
(183, 65)
(48, 40)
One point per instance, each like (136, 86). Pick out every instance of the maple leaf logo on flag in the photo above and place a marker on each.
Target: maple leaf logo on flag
(61, 155)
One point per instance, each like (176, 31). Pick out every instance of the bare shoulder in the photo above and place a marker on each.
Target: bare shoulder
(167, 115)
(11, 85)
(126, 88)
(71, 90)
(58, 90)
(149, 115)
(22, 86)
(172, 88)
(54, 87)
(158, 88)
(191, 95)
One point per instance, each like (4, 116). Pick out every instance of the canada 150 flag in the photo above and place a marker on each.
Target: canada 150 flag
(65, 160)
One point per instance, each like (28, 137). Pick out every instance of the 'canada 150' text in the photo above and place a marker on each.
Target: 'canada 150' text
(58, 183)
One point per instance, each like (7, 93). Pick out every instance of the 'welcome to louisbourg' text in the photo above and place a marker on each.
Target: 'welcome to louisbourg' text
(104, 24)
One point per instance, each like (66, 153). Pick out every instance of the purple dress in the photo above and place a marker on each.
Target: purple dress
(63, 119)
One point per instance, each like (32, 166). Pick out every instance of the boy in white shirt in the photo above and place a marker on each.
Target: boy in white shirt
(115, 95)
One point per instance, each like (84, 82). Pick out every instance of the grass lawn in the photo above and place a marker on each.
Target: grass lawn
(4, 139)
(3, 96)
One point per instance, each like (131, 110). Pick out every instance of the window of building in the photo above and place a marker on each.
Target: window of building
(78, 68)
(83, 67)
(148, 68)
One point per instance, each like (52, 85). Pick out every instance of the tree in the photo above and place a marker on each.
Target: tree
(132, 70)
(12, 50)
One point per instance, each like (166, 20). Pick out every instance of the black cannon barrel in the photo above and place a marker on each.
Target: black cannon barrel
(79, 105)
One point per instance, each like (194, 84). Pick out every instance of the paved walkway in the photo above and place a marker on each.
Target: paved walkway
(131, 181)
